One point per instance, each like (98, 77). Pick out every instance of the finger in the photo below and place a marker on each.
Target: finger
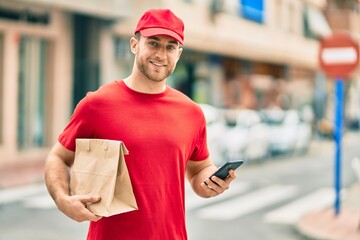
(232, 174)
(87, 215)
(86, 210)
(219, 184)
(209, 191)
(92, 217)
(97, 218)
(206, 185)
(86, 199)
(213, 185)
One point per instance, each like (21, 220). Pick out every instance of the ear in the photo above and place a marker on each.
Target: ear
(179, 53)
(133, 45)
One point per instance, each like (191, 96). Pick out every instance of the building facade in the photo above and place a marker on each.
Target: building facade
(238, 54)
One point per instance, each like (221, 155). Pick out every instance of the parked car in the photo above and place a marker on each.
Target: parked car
(246, 140)
(287, 133)
(216, 128)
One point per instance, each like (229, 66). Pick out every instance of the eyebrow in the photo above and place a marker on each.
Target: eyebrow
(158, 39)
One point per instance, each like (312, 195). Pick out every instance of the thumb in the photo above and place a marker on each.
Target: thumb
(90, 199)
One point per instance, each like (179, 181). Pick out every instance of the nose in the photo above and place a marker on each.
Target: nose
(161, 52)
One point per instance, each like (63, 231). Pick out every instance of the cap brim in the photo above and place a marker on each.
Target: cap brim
(149, 32)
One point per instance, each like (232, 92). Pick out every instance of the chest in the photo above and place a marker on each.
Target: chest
(168, 126)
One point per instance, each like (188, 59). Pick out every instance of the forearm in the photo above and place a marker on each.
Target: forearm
(199, 179)
(57, 178)
(198, 173)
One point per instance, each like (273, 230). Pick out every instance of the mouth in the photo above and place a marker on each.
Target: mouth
(157, 64)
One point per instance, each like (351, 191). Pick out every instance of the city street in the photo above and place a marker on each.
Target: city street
(264, 202)
(278, 83)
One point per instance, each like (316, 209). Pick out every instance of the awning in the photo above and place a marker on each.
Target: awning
(317, 22)
(106, 9)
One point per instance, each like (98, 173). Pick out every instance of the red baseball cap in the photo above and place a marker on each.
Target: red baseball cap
(161, 22)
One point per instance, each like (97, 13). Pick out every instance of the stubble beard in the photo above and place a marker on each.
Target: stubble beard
(144, 69)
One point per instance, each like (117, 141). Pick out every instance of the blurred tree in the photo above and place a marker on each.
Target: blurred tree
(344, 4)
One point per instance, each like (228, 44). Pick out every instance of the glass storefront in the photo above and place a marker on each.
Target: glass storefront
(86, 55)
(194, 76)
(123, 57)
(32, 93)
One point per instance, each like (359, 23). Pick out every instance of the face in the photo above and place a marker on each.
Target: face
(156, 56)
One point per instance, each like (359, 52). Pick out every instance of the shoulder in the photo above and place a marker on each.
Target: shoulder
(186, 101)
(104, 93)
(105, 89)
(103, 96)
(182, 97)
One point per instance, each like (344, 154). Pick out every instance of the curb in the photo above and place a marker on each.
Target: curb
(324, 224)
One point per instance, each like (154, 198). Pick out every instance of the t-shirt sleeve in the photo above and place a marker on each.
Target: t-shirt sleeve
(79, 126)
(201, 151)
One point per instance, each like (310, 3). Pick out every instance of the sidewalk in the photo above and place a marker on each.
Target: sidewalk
(324, 224)
(21, 174)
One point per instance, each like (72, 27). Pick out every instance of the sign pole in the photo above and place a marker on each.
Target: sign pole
(339, 96)
(339, 55)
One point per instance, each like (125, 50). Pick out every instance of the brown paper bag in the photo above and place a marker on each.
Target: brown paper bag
(100, 169)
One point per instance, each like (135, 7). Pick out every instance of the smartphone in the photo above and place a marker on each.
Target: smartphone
(223, 171)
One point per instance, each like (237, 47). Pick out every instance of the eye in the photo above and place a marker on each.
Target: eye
(154, 44)
(171, 47)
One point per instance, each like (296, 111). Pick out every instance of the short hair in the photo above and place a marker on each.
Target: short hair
(137, 36)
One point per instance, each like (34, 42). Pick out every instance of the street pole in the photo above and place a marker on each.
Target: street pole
(339, 55)
(339, 96)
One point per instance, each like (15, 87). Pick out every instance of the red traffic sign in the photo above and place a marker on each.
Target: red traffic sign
(338, 55)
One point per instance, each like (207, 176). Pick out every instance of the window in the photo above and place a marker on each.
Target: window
(25, 15)
(1, 86)
(32, 122)
(253, 10)
(123, 57)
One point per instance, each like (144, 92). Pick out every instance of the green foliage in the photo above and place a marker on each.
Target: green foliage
(344, 4)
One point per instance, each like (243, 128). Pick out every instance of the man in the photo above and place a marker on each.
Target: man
(164, 131)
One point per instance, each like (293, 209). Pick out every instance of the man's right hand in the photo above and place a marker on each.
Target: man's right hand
(75, 207)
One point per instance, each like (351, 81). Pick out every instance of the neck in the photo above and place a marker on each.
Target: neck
(144, 86)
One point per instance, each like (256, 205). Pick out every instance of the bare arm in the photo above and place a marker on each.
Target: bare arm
(198, 173)
(57, 167)
(57, 180)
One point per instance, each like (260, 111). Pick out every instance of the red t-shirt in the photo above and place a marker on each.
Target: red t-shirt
(162, 133)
